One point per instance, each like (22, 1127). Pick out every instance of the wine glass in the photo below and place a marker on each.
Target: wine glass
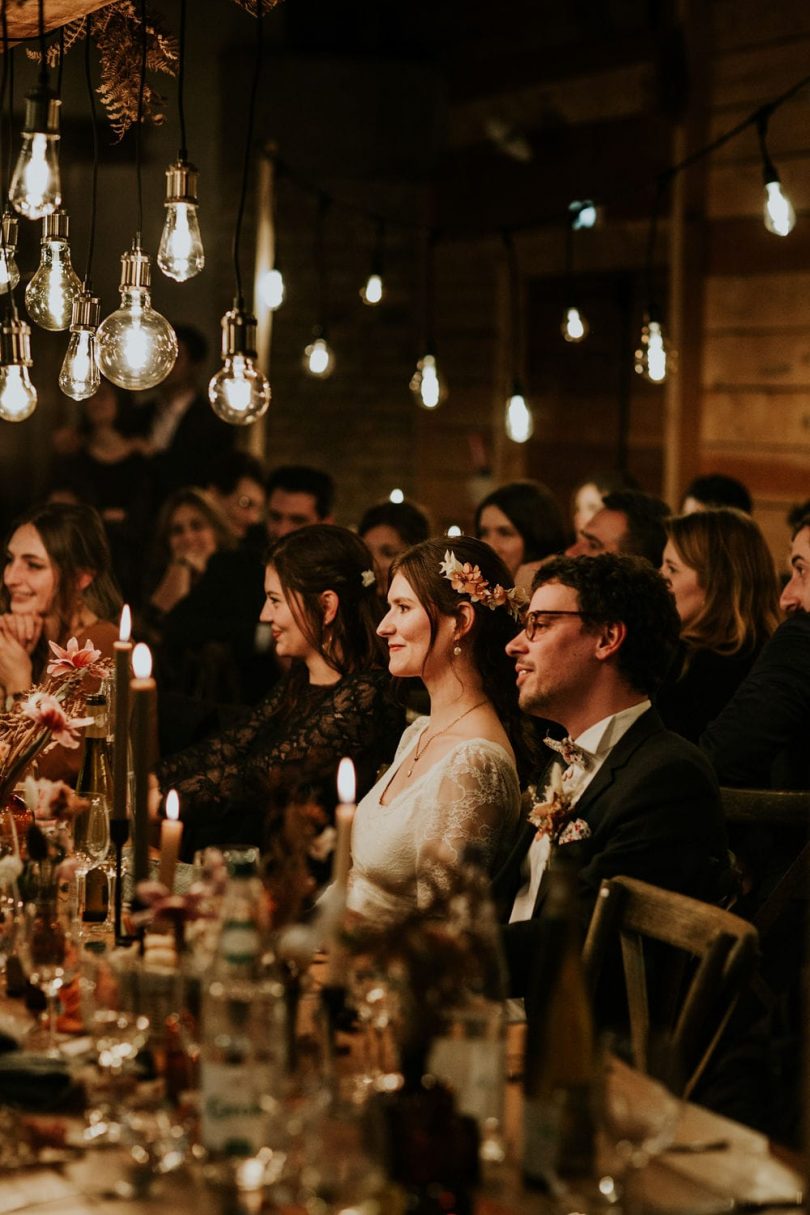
(91, 840)
(113, 1012)
(48, 955)
(638, 1117)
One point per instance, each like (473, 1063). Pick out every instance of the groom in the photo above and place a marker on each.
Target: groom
(599, 635)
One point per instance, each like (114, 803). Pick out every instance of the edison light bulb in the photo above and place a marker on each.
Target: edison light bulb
(396, 496)
(584, 214)
(239, 393)
(137, 347)
(9, 270)
(652, 357)
(181, 254)
(319, 359)
(427, 385)
(35, 187)
(271, 289)
(780, 218)
(18, 396)
(574, 326)
(50, 294)
(372, 290)
(518, 419)
(80, 377)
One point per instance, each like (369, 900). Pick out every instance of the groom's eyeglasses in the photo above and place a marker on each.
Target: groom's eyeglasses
(539, 620)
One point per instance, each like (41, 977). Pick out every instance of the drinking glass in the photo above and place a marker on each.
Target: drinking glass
(48, 954)
(91, 841)
(113, 1009)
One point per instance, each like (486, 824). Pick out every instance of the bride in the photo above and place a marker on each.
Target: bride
(454, 777)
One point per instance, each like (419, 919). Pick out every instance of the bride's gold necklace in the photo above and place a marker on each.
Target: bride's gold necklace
(419, 749)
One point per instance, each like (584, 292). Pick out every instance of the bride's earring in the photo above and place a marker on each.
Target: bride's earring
(456, 650)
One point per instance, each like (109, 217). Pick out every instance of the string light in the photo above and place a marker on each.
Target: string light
(36, 188)
(454, 530)
(583, 214)
(652, 357)
(518, 419)
(427, 385)
(778, 212)
(371, 292)
(79, 377)
(319, 358)
(9, 270)
(396, 496)
(18, 396)
(50, 294)
(574, 326)
(181, 254)
(271, 289)
(137, 347)
(239, 393)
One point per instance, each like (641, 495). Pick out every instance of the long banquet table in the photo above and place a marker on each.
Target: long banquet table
(733, 1169)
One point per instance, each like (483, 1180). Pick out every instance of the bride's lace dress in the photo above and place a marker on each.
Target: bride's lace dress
(470, 796)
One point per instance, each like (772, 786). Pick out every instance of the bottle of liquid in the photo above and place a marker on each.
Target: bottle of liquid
(470, 1055)
(91, 827)
(558, 1130)
(242, 1031)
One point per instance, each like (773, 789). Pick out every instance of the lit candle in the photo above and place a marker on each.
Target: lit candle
(344, 819)
(171, 832)
(142, 688)
(123, 653)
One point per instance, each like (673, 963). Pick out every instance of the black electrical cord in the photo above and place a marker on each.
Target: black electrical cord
(5, 164)
(324, 203)
(61, 61)
(237, 235)
(94, 122)
(181, 82)
(141, 90)
(515, 310)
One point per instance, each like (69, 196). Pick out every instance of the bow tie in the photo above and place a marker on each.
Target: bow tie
(569, 751)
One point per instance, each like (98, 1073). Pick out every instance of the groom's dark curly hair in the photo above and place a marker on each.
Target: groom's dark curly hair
(612, 589)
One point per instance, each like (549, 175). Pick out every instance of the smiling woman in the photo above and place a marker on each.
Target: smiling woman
(57, 583)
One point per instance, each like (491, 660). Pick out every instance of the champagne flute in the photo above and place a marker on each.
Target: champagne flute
(91, 841)
(48, 955)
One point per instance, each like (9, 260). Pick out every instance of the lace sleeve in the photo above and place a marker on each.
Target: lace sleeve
(206, 770)
(477, 802)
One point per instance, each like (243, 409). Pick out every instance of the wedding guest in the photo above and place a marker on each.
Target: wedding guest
(389, 528)
(237, 487)
(722, 575)
(223, 607)
(713, 490)
(322, 607)
(634, 798)
(522, 521)
(57, 584)
(454, 778)
(190, 529)
(760, 738)
(588, 496)
(629, 522)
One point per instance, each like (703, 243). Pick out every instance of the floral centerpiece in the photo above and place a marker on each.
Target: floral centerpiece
(48, 714)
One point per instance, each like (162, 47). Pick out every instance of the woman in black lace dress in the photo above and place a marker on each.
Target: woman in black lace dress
(323, 610)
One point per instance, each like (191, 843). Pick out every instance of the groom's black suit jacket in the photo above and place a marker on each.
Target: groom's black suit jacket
(654, 813)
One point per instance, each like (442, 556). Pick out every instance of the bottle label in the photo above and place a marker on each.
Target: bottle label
(233, 1118)
(239, 943)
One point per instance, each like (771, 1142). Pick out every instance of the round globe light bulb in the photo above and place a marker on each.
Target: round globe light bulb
(239, 393)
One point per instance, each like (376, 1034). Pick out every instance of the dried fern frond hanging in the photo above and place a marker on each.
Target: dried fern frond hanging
(116, 31)
(250, 5)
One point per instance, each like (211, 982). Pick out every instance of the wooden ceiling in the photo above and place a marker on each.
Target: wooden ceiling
(23, 16)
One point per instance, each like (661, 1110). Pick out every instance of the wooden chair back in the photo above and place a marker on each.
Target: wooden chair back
(777, 808)
(715, 959)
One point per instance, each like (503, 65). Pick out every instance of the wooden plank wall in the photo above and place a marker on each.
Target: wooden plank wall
(755, 421)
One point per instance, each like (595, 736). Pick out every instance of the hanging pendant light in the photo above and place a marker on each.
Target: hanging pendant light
(18, 396)
(137, 347)
(239, 393)
(50, 294)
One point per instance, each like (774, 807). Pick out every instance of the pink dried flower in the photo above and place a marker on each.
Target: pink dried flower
(46, 711)
(73, 659)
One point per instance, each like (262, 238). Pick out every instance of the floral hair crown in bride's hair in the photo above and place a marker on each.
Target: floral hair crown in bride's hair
(467, 579)
(368, 578)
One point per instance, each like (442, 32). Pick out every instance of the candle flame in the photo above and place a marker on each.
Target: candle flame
(346, 781)
(172, 805)
(142, 661)
(125, 628)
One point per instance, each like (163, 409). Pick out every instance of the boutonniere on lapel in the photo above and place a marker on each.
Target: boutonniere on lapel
(555, 815)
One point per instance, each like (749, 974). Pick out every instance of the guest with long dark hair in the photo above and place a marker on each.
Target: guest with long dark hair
(334, 701)
(523, 522)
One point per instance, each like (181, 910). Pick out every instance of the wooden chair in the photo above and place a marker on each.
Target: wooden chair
(776, 808)
(713, 959)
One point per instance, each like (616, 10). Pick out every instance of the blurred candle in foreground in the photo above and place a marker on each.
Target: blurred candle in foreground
(142, 688)
(344, 820)
(123, 654)
(171, 833)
